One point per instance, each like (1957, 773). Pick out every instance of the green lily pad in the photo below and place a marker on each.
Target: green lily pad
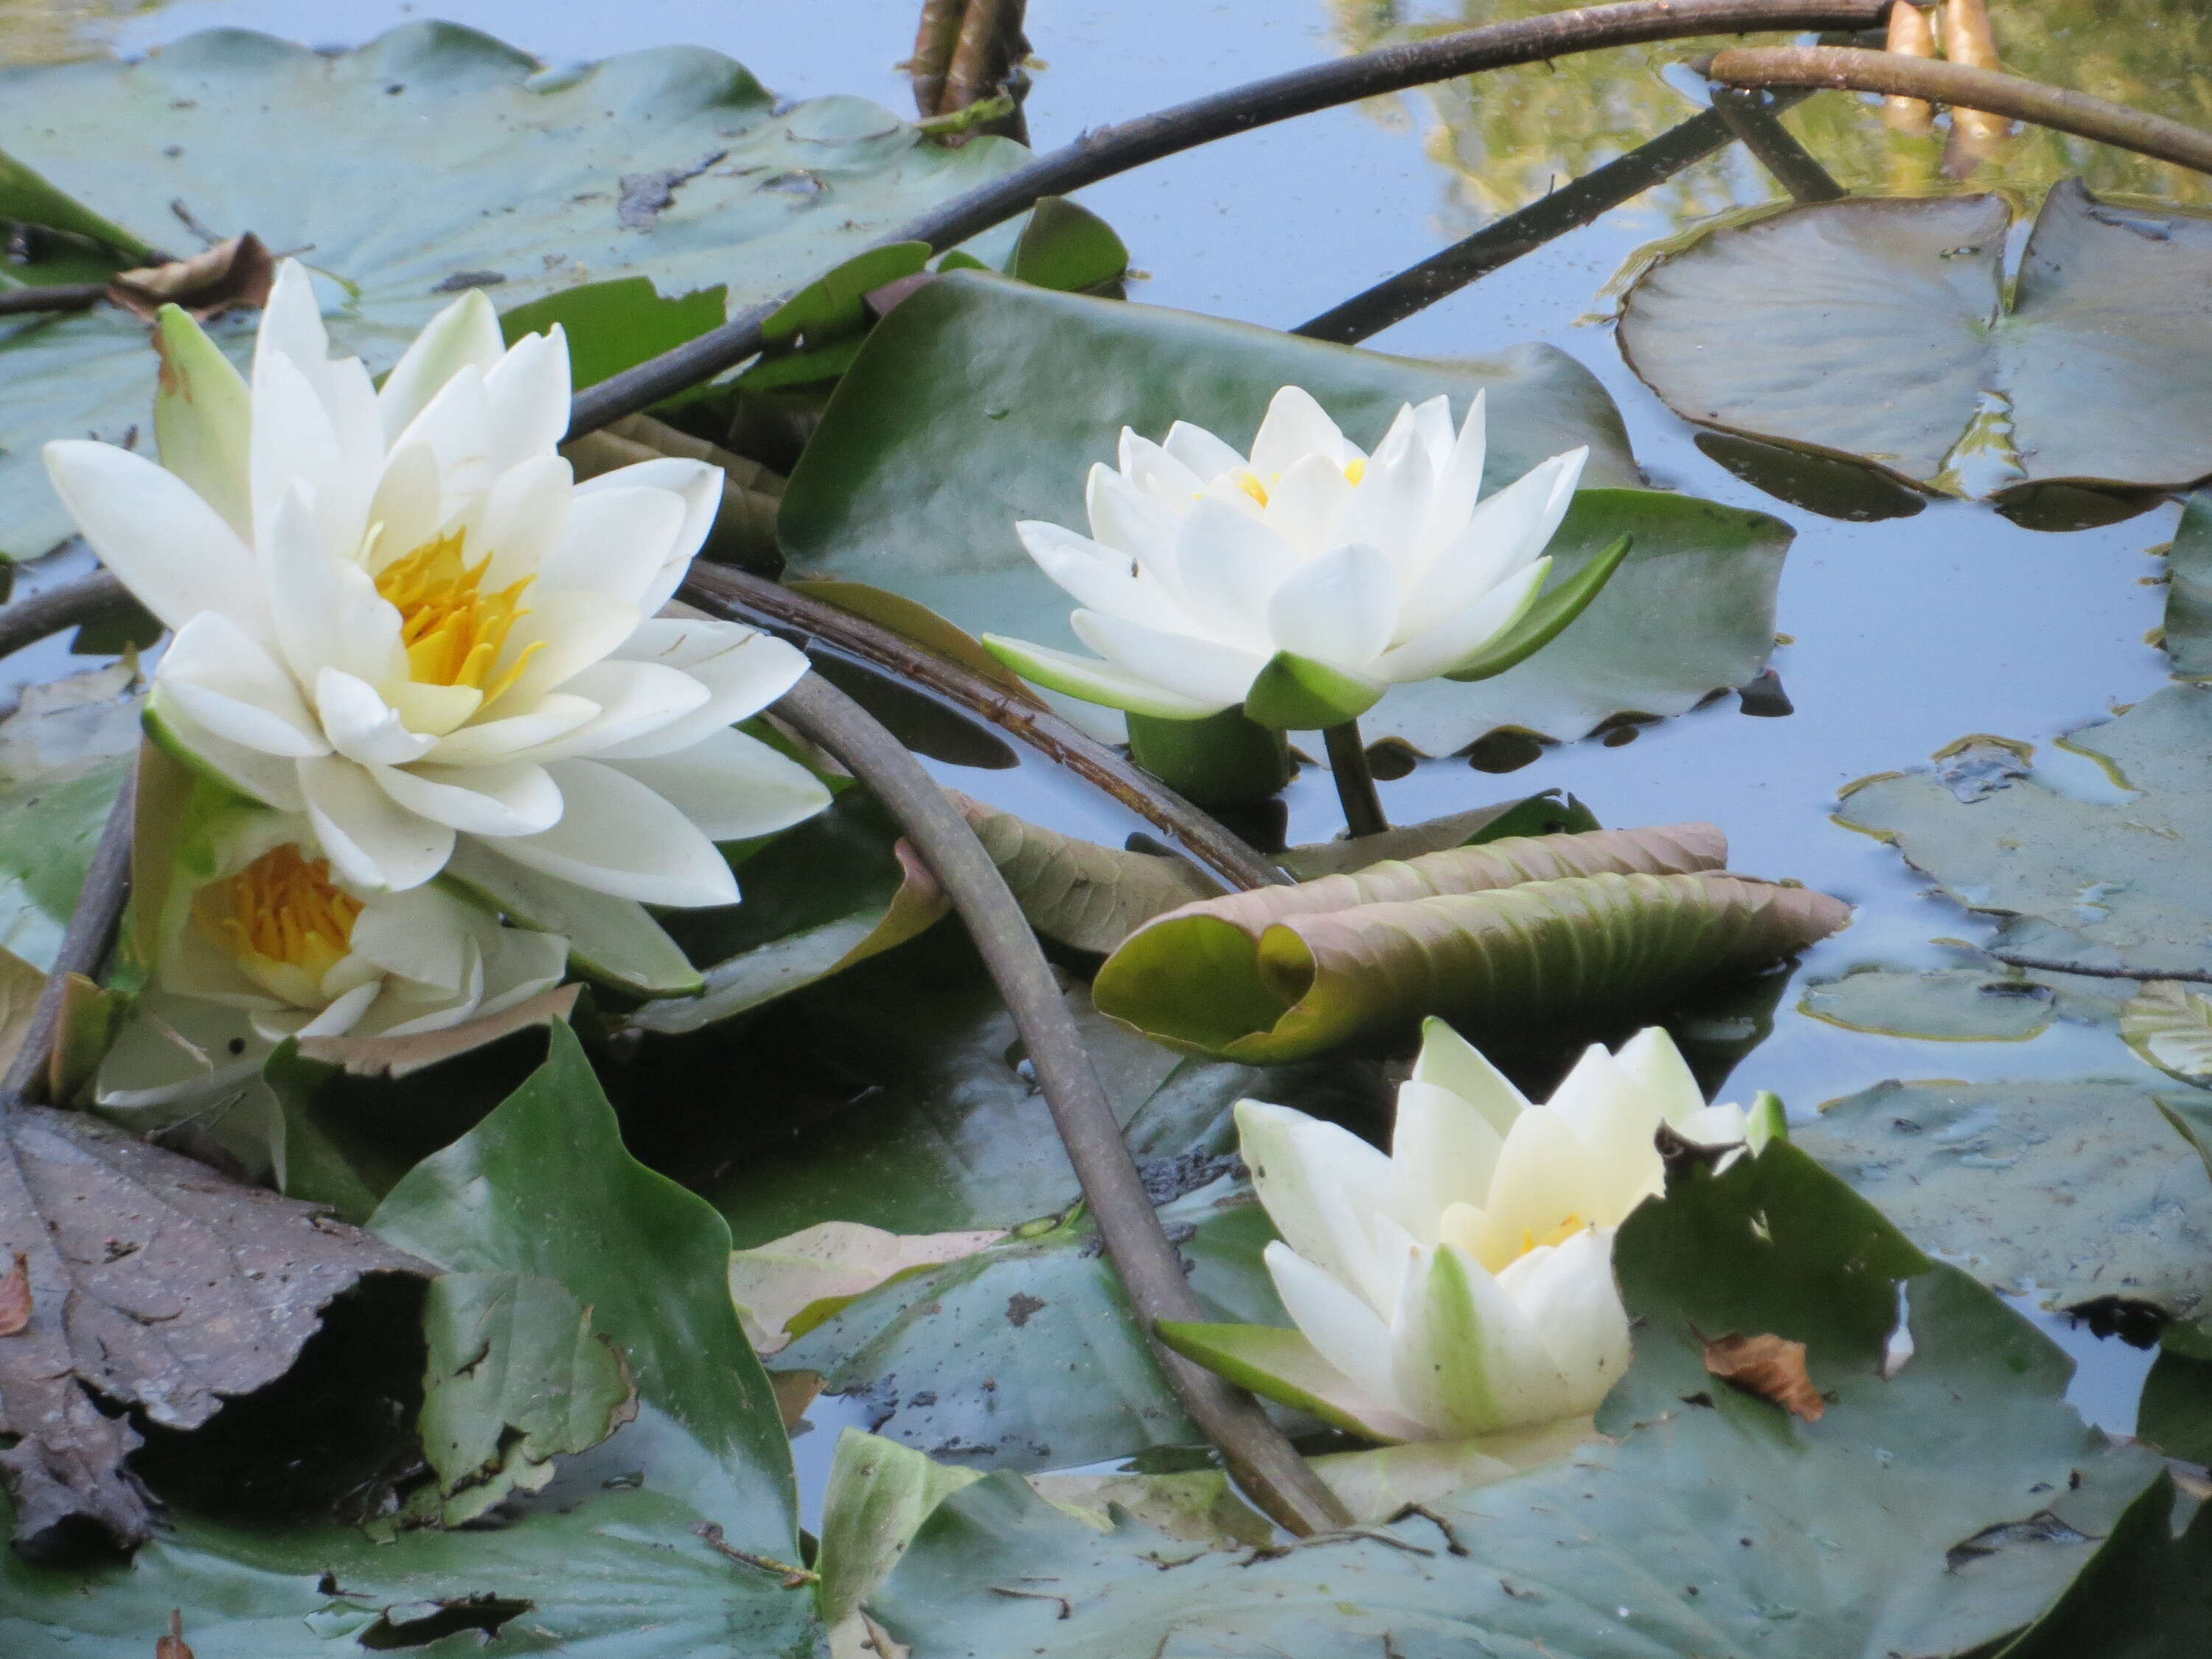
(2188, 626)
(2147, 1594)
(2078, 1189)
(543, 1187)
(1954, 1005)
(2111, 877)
(1025, 1355)
(48, 828)
(979, 402)
(1529, 928)
(1878, 329)
(1924, 1514)
(440, 160)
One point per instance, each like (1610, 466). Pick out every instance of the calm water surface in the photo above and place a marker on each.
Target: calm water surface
(1905, 633)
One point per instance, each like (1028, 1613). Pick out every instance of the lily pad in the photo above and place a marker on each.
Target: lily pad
(442, 160)
(1954, 1005)
(1025, 1355)
(979, 401)
(2078, 1189)
(1925, 1514)
(2106, 877)
(1878, 329)
(2188, 628)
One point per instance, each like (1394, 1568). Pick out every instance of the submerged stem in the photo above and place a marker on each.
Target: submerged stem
(1355, 782)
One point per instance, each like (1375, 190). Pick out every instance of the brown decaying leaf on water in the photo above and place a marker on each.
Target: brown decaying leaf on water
(149, 1282)
(172, 1646)
(16, 1295)
(1769, 1366)
(234, 275)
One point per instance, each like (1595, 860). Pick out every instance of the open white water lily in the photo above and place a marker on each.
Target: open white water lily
(1462, 1285)
(1305, 578)
(396, 613)
(259, 940)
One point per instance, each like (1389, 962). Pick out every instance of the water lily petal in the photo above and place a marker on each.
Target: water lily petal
(1321, 1185)
(1205, 671)
(573, 629)
(1455, 640)
(297, 445)
(732, 786)
(409, 506)
(1127, 520)
(1545, 1180)
(204, 417)
(371, 840)
(228, 682)
(423, 934)
(434, 710)
(1348, 1333)
(1206, 455)
(1391, 503)
(1568, 1292)
(455, 425)
(1339, 610)
(552, 717)
(1296, 425)
(176, 1048)
(1106, 683)
(302, 581)
(1096, 575)
(336, 1019)
(616, 836)
(1449, 1061)
(1443, 1151)
(527, 394)
(1159, 474)
(466, 334)
(1227, 564)
(1465, 1359)
(1616, 1118)
(1432, 424)
(167, 546)
(1306, 503)
(509, 798)
(519, 963)
(1458, 481)
(361, 726)
(635, 699)
(1503, 535)
(1656, 1065)
(267, 778)
(617, 543)
(742, 670)
(701, 487)
(526, 519)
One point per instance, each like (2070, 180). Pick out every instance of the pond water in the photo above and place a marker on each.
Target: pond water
(1904, 634)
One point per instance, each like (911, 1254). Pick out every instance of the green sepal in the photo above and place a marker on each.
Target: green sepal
(1217, 760)
(1297, 694)
(1544, 621)
(1277, 1365)
(202, 417)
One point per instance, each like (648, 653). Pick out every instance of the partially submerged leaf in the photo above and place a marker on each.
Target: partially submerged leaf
(19, 984)
(2076, 1188)
(515, 1376)
(2147, 1594)
(2170, 1024)
(786, 1286)
(1791, 328)
(153, 1284)
(398, 1056)
(1770, 1366)
(1544, 814)
(879, 1493)
(1520, 928)
(1077, 891)
(1953, 1005)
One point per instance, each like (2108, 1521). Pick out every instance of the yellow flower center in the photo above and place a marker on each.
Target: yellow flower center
(1559, 1234)
(1250, 484)
(284, 909)
(1355, 469)
(453, 629)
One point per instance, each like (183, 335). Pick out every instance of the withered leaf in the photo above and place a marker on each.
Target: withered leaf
(1769, 1366)
(154, 1284)
(172, 1645)
(15, 1297)
(233, 275)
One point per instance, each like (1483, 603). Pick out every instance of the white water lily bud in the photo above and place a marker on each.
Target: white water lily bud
(273, 945)
(1304, 580)
(397, 614)
(1462, 1284)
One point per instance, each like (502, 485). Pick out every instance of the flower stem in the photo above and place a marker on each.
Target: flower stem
(1355, 784)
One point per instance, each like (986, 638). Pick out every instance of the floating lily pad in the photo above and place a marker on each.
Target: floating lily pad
(1877, 328)
(1924, 1514)
(1957, 1005)
(2077, 1189)
(1025, 1356)
(978, 402)
(430, 161)
(2188, 628)
(2107, 878)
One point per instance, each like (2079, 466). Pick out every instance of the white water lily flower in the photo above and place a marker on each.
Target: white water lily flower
(272, 944)
(396, 613)
(1463, 1285)
(1304, 580)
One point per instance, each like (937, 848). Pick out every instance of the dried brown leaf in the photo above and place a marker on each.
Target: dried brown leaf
(1077, 892)
(154, 1284)
(231, 276)
(396, 1056)
(172, 1646)
(15, 1297)
(1771, 1367)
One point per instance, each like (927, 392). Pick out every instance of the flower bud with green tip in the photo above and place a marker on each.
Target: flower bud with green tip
(1462, 1285)
(1305, 579)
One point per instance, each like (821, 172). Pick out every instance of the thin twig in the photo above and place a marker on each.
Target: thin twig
(1109, 150)
(1750, 115)
(59, 296)
(68, 605)
(2052, 965)
(84, 946)
(1355, 781)
(1962, 87)
(763, 603)
(1262, 1462)
(1570, 207)
(792, 1577)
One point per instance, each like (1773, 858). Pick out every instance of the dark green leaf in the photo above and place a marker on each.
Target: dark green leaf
(2189, 591)
(1066, 246)
(2146, 1595)
(617, 325)
(1223, 760)
(1543, 814)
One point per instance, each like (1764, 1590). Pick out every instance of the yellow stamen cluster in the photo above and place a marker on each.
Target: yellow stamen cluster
(453, 629)
(284, 907)
(1558, 1235)
(1250, 484)
(1355, 469)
